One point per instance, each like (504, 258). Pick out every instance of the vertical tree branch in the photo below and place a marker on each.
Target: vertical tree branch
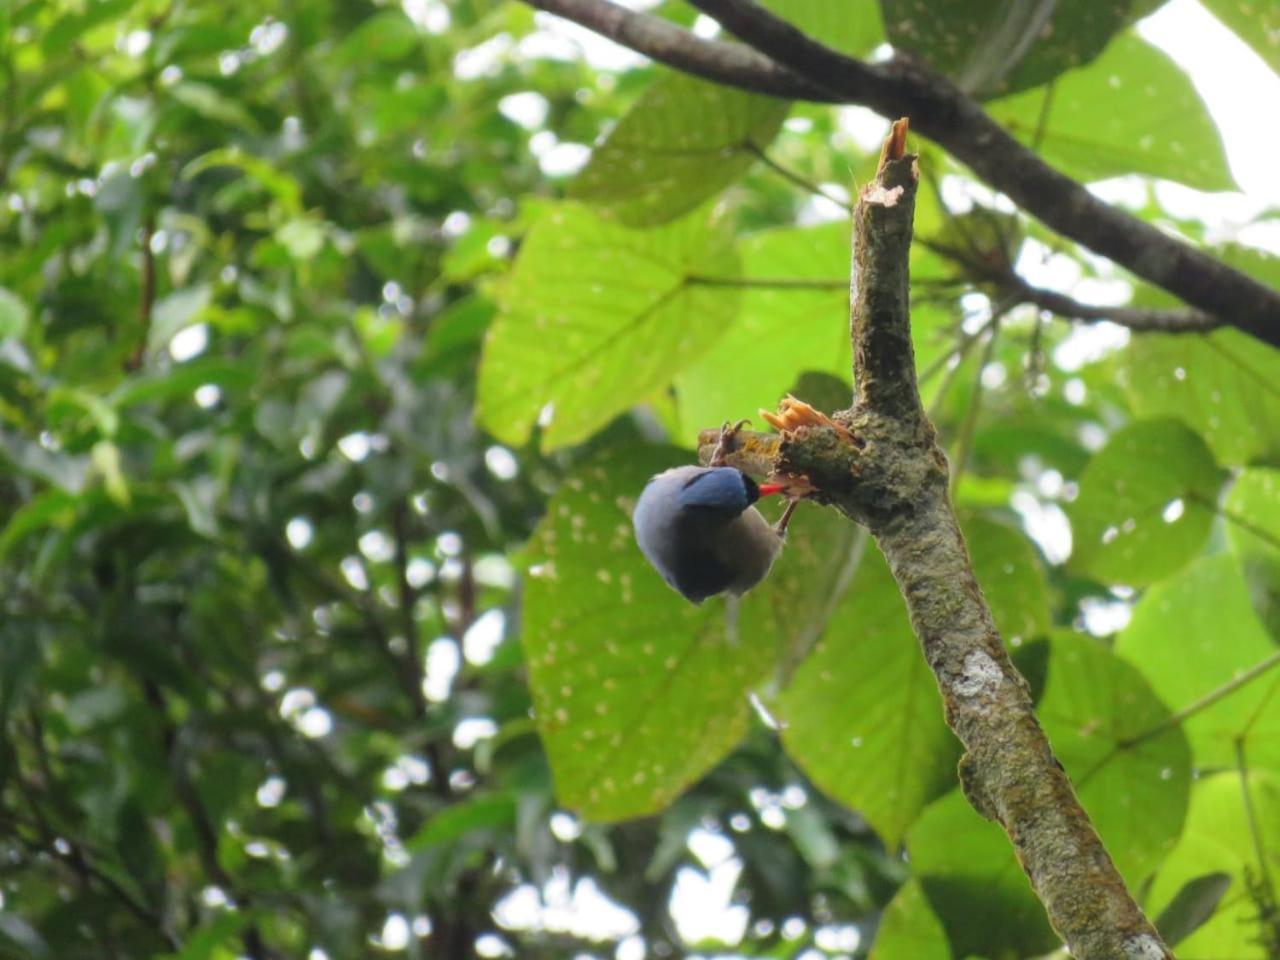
(880, 464)
(884, 361)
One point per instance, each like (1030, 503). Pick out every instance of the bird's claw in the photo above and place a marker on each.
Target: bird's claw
(780, 528)
(724, 446)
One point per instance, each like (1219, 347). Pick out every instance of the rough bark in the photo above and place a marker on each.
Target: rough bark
(778, 59)
(880, 465)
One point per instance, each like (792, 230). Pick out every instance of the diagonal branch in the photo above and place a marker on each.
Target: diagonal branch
(787, 63)
(880, 465)
(1139, 319)
(938, 109)
(1011, 285)
(1204, 702)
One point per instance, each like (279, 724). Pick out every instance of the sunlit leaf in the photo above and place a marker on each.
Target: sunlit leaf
(973, 883)
(1257, 22)
(1145, 505)
(1130, 111)
(1219, 838)
(209, 103)
(1191, 635)
(681, 143)
(862, 715)
(1130, 767)
(793, 317)
(1252, 512)
(999, 48)
(1194, 904)
(595, 317)
(1222, 385)
(851, 28)
(1011, 576)
(909, 929)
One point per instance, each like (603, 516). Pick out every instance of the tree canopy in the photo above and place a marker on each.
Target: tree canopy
(336, 343)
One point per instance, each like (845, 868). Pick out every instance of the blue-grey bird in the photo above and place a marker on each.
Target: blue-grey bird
(698, 528)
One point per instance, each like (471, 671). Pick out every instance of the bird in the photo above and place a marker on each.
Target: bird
(699, 529)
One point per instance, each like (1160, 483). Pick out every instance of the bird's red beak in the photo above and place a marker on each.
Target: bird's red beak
(769, 489)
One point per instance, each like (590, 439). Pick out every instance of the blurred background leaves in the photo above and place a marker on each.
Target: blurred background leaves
(331, 357)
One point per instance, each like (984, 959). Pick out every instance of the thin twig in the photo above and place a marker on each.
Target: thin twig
(1201, 703)
(796, 179)
(1042, 121)
(1243, 522)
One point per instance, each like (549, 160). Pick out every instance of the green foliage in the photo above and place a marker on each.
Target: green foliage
(1207, 603)
(1256, 21)
(1131, 111)
(1219, 836)
(1221, 385)
(1254, 502)
(683, 141)
(1146, 503)
(781, 329)
(330, 367)
(617, 659)
(972, 882)
(862, 715)
(852, 28)
(910, 929)
(1130, 766)
(1008, 46)
(574, 341)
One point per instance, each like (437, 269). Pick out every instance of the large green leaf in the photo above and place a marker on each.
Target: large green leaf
(794, 317)
(1145, 505)
(1190, 636)
(681, 143)
(1252, 511)
(974, 884)
(782, 329)
(1218, 837)
(909, 929)
(597, 316)
(851, 28)
(1093, 705)
(1130, 111)
(1256, 22)
(862, 715)
(636, 691)
(993, 48)
(1225, 386)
